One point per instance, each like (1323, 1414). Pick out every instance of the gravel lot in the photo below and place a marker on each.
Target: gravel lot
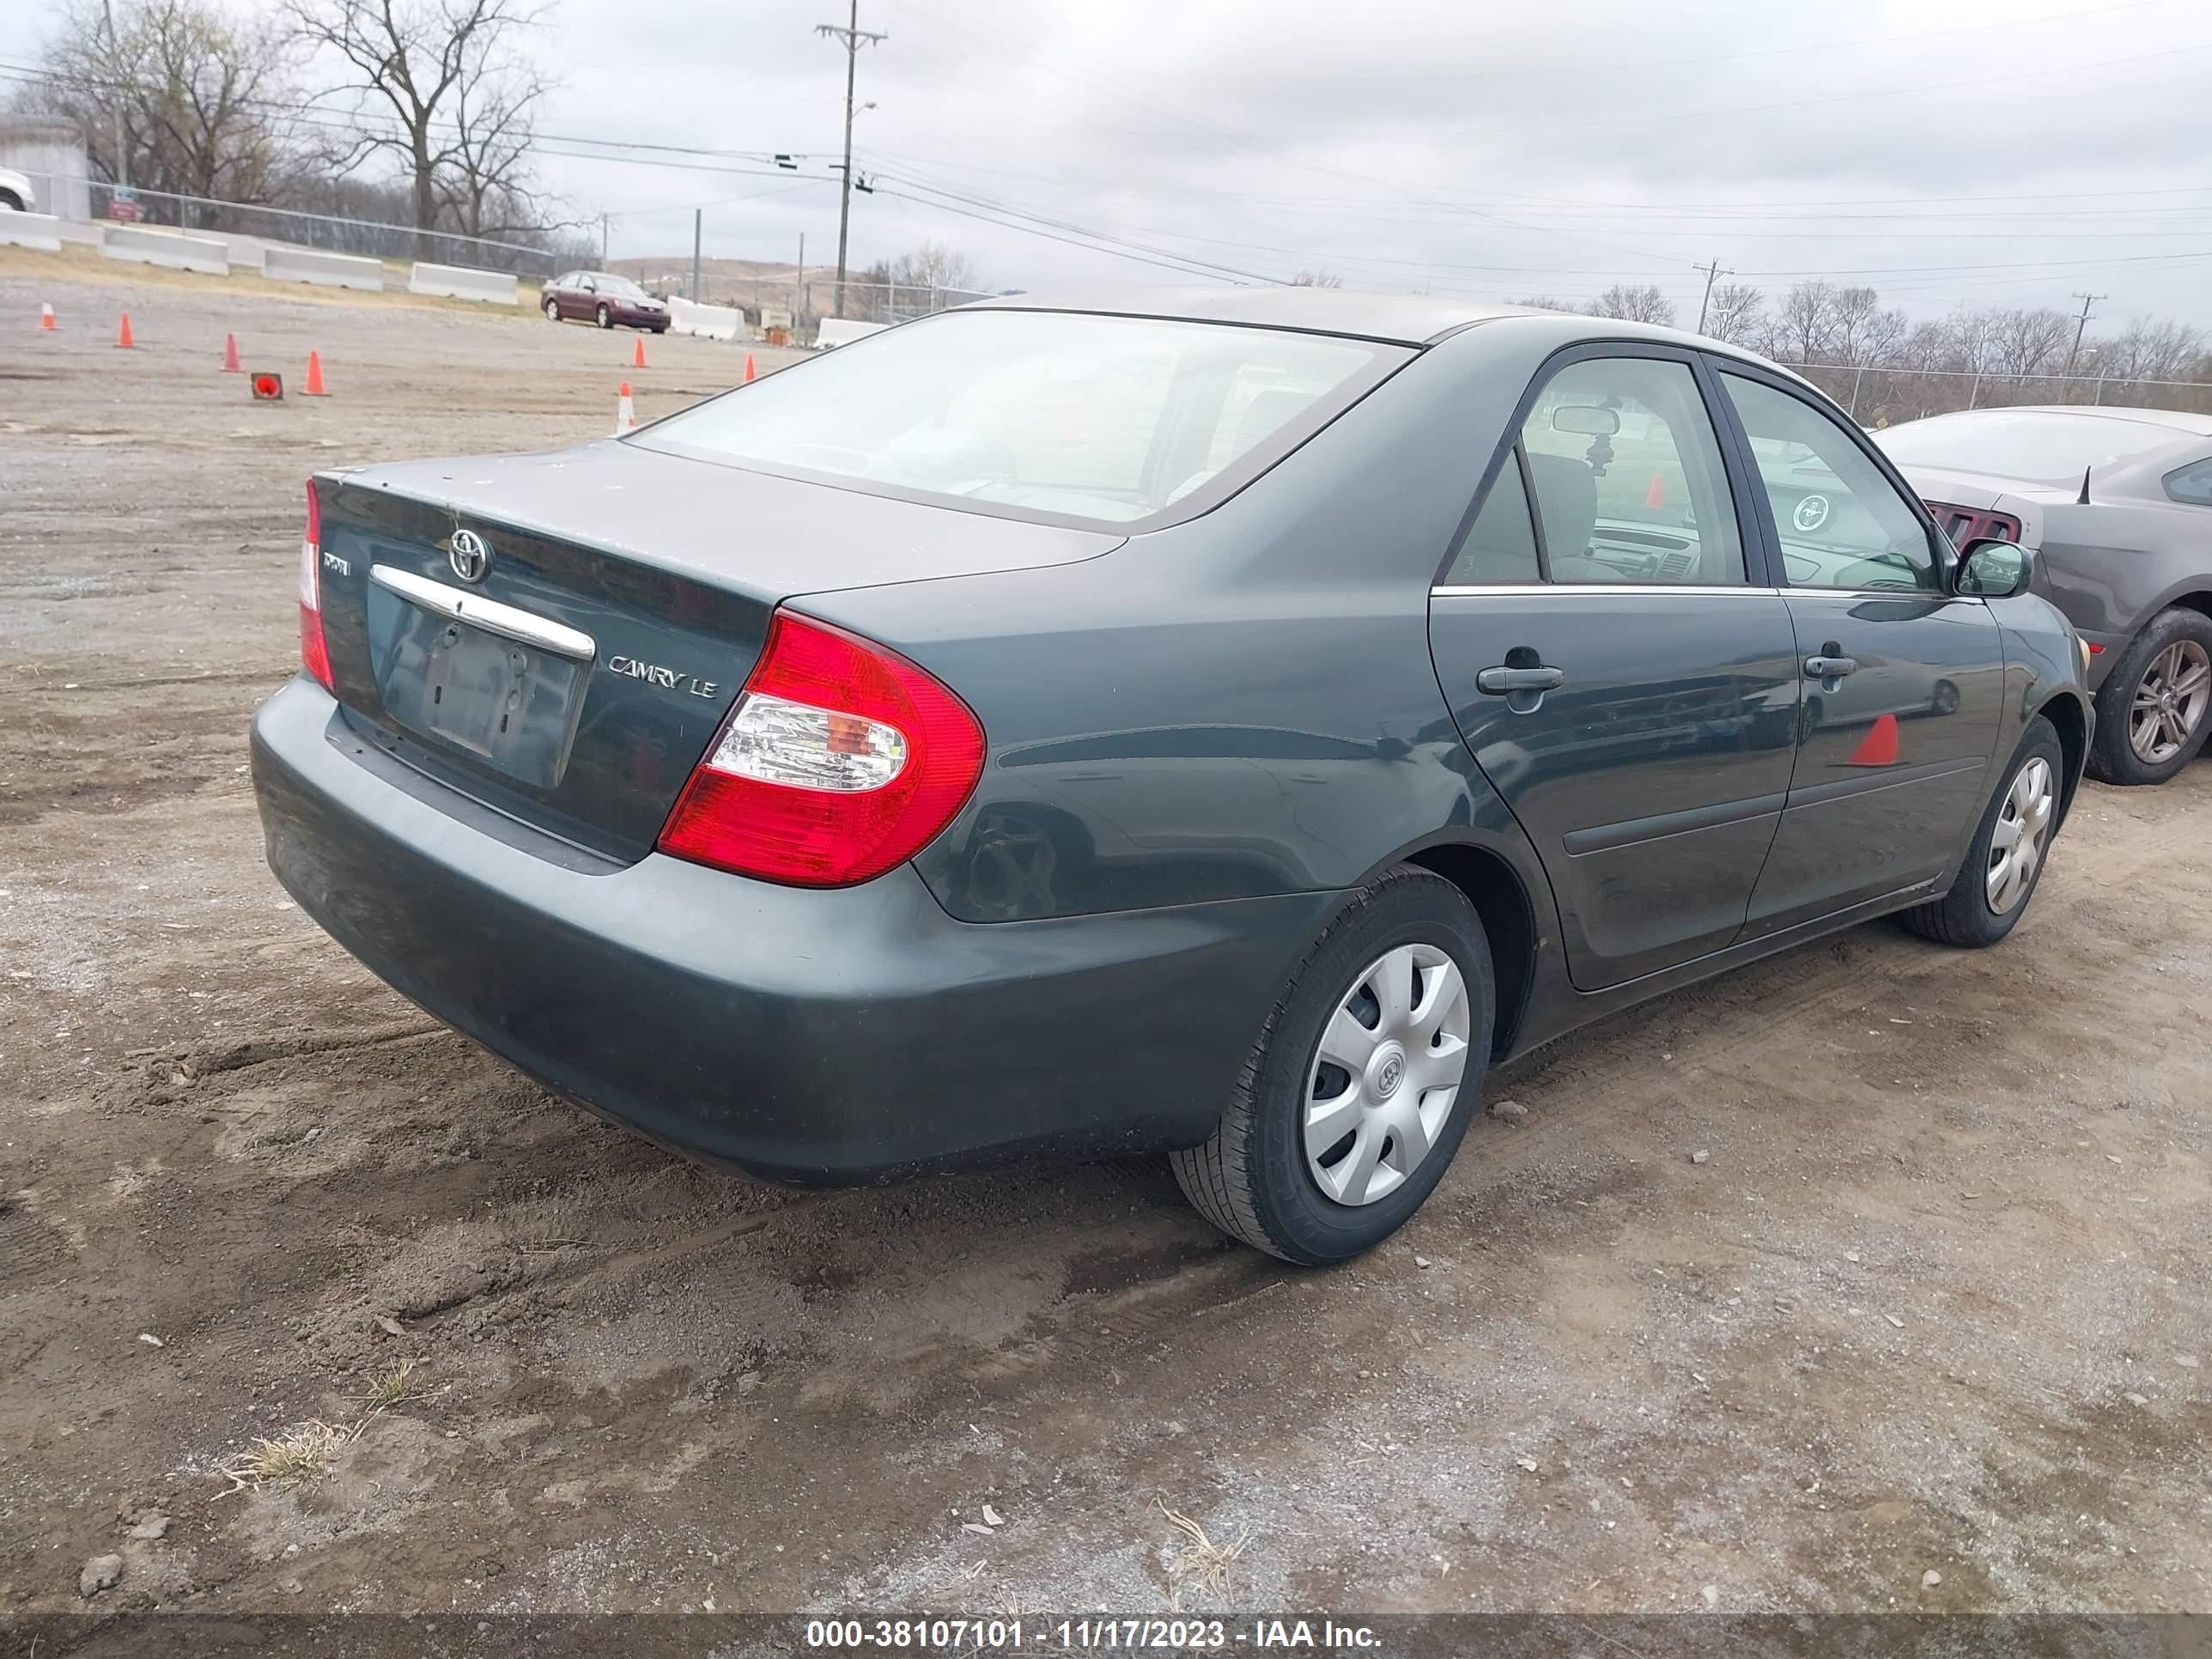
(1937, 1297)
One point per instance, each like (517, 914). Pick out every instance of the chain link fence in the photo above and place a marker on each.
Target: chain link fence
(1880, 395)
(95, 200)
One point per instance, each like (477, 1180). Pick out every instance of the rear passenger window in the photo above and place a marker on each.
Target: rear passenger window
(1501, 546)
(2191, 484)
(1627, 476)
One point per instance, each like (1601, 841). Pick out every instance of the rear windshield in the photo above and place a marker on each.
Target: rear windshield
(1032, 414)
(2022, 443)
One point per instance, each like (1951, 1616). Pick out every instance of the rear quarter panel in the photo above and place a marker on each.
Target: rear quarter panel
(1240, 705)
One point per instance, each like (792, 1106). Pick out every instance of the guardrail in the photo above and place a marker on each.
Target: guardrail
(172, 250)
(495, 288)
(41, 231)
(295, 265)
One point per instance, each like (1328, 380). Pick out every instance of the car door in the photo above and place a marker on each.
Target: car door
(561, 291)
(1902, 682)
(1617, 675)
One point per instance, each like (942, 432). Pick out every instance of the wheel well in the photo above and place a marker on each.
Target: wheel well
(2067, 719)
(2200, 603)
(1501, 902)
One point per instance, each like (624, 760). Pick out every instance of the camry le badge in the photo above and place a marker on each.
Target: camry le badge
(470, 555)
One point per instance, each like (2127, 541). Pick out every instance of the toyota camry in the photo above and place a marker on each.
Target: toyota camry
(1218, 723)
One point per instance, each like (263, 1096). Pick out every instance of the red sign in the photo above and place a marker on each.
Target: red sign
(127, 212)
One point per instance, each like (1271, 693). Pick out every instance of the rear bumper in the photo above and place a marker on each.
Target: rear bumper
(816, 1037)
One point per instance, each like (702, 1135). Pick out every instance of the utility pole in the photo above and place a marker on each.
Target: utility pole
(853, 37)
(2081, 324)
(1712, 271)
(697, 296)
(603, 239)
(798, 281)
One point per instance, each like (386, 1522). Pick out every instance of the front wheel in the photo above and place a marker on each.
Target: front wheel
(1349, 1107)
(2152, 708)
(1998, 877)
(606, 318)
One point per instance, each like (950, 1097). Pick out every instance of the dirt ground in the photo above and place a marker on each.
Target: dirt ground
(1937, 1299)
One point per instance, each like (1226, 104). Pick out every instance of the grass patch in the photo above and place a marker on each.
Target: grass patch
(397, 1387)
(1200, 1561)
(306, 1451)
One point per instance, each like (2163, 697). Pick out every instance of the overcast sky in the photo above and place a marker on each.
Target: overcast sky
(1991, 151)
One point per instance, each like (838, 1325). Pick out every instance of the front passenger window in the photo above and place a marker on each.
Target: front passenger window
(1840, 522)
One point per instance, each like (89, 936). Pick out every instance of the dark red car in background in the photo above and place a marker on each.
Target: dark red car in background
(602, 297)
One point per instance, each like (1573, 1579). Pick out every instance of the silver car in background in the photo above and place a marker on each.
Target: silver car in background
(2119, 504)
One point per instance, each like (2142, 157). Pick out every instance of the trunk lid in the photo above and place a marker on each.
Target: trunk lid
(575, 680)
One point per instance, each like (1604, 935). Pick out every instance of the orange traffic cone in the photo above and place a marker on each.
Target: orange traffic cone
(315, 386)
(625, 415)
(1655, 493)
(749, 368)
(230, 354)
(123, 334)
(1879, 747)
(637, 358)
(46, 318)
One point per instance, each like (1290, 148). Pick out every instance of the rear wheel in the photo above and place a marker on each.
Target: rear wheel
(10, 202)
(1349, 1110)
(2152, 708)
(1991, 892)
(552, 309)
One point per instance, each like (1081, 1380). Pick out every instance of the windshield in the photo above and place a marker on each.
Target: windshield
(2022, 443)
(622, 287)
(1065, 416)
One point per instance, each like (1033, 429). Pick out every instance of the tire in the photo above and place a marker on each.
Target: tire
(1253, 1178)
(9, 202)
(606, 318)
(552, 310)
(2173, 639)
(663, 328)
(1967, 918)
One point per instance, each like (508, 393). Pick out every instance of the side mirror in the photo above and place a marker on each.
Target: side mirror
(1990, 569)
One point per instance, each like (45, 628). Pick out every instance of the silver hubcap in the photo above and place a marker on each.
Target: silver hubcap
(1388, 1067)
(2016, 844)
(2169, 702)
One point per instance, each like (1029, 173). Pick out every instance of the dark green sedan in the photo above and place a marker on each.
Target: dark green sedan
(1218, 723)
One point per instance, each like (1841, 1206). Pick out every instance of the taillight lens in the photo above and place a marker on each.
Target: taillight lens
(839, 760)
(314, 655)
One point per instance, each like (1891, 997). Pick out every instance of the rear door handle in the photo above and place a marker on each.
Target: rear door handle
(1503, 682)
(1830, 668)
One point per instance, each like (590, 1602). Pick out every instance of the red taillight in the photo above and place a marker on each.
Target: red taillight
(838, 761)
(1967, 524)
(314, 655)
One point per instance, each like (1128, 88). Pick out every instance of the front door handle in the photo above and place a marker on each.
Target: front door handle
(1830, 668)
(1503, 682)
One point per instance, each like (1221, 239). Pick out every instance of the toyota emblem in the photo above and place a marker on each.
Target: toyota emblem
(469, 554)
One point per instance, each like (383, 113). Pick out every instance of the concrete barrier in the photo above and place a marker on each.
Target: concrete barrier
(706, 322)
(39, 230)
(169, 249)
(493, 288)
(298, 264)
(839, 331)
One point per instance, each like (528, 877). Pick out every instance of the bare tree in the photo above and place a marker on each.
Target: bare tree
(1548, 303)
(2030, 342)
(1631, 304)
(1860, 331)
(1802, 327)
(1736, 313)
(1317, 278)
(941, 269)
(174, 95)
(449, 76)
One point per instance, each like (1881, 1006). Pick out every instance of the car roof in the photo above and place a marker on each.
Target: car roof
(2177, 420)
(1404, 319)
